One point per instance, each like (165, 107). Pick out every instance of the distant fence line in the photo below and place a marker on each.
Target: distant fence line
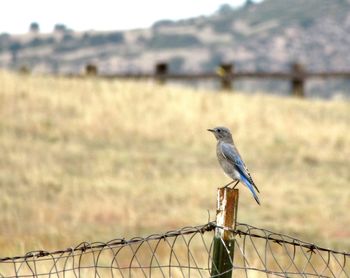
(297, 76)
(233, 250)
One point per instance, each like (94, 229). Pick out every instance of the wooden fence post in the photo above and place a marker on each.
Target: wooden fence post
(226, 217)
(298, 80)
(91, 70)
(161, 70)
(24, 70)
(225, 71)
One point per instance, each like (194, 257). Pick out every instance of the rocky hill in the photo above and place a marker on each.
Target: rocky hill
(265, 36)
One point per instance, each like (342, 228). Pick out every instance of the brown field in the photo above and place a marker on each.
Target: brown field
(88, 160)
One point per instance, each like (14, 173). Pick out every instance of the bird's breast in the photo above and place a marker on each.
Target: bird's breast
(226, 165)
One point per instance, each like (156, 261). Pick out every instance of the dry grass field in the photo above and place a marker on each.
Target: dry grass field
(87, 160)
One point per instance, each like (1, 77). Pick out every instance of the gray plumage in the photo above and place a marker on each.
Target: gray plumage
(231, 161)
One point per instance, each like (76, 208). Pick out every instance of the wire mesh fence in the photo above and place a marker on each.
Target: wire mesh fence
(186, 252)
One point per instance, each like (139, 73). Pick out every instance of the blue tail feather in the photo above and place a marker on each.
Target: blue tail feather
(251, 188)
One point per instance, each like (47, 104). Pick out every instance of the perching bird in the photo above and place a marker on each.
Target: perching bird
(230, 160)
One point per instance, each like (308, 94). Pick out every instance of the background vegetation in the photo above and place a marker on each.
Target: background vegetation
(89, 159)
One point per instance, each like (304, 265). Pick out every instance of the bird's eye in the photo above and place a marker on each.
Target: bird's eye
(219, 130)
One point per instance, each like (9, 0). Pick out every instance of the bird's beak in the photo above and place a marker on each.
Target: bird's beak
(211, 130)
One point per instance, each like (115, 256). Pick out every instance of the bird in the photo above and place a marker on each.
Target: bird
(231, 161)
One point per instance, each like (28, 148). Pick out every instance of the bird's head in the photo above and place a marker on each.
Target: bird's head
(221, 133)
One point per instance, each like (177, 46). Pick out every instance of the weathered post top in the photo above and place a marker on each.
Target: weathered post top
(224, 241)
(226, 211)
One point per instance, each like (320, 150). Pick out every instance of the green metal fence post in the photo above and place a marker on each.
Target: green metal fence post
(223, 249)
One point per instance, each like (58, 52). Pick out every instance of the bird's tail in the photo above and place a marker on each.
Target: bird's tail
(251, 188)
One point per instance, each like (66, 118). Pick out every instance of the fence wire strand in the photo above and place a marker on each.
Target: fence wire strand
(186, 252)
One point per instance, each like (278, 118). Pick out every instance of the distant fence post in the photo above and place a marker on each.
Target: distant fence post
(225, 72)
(226, 217)
(91, 70)
(161, 70)
(298, 80)
(24, 70)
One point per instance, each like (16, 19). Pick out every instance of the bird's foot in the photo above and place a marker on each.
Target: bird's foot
(235, 185)
(227, 185)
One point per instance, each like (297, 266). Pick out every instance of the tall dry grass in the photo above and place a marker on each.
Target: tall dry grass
(92, 160)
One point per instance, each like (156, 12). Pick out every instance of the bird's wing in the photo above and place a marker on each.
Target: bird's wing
(232, 155)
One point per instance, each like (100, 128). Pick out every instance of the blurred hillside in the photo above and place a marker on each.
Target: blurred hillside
(265, 36)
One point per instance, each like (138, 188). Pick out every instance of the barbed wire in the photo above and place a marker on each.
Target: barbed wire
(186, 252)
